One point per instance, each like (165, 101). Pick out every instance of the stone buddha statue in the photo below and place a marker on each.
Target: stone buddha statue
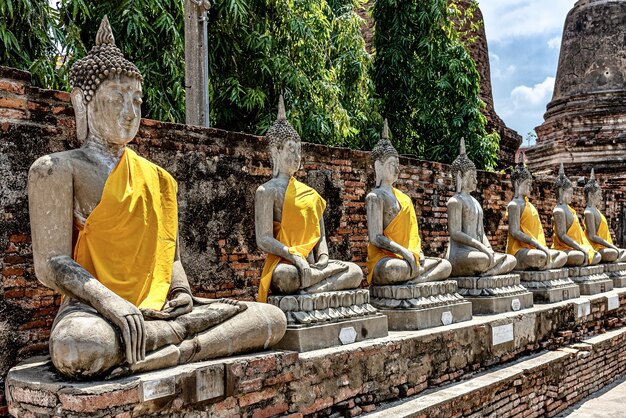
(469, 250)
(105, 235)
(289, 225)
(394, 252)
(568, 233)
(596, 226)
(526, 240)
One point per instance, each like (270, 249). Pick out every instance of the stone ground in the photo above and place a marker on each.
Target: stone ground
(606, 403)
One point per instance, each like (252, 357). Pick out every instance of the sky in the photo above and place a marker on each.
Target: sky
(524, 39)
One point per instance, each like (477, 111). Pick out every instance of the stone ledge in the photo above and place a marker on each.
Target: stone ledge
(321, 381)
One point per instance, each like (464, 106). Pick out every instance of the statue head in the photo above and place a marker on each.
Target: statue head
(563, 187)
(106, 91)
(284, 143)
(386, 162)
(593, 191)
(522, 179)
(464, 171)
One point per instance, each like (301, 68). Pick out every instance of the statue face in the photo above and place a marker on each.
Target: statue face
(566, 194)
(391, 169)
(289, 157)
(114, 113)
(469, 181)
(525, 187)
(596, 197)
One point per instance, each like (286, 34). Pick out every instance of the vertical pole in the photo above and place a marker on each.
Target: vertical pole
(196, 63)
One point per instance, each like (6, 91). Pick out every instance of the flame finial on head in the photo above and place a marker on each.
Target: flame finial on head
(592, 185)
(521, 171)
(562, 182)
(384, 148)
(281, 131)
(105, 33)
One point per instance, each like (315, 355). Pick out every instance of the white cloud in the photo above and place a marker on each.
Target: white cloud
(505, 73)
(523, 18)
(530, 98)
(554, 43)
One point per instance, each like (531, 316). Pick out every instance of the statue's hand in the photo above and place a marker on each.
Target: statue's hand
(180, 304)
(304, 270)
(492, 257)
(129, 321)
(585, 257)
(546, 251)
(322, 262)
(414, 268)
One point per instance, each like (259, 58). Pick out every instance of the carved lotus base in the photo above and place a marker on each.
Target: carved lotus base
(617, 273)
(421, 306)
(549, 286)
(495, 294)
(591, 279)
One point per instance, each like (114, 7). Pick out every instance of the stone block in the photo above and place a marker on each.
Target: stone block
(416, 319)
(617, 273)
(591, 279)
(495, 294)
(549, 286)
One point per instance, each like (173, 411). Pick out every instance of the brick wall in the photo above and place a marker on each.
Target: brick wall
(218, 172)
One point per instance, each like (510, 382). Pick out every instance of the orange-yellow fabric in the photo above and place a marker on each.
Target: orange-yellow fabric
(576, 233)
(403, 230)
(129, 241)
(299, 228)
(530, 224)
(603, 232)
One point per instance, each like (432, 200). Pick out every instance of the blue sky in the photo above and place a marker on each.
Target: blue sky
(524, 38)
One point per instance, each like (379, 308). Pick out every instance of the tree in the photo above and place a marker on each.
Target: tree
(28, 29)
(149, 33)
(310, 50)
(428, 82)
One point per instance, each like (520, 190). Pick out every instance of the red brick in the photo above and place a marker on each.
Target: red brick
(255, 397)
(271, 411)
(11, 103)
(93, 403)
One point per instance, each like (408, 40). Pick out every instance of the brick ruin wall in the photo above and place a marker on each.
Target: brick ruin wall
(217, 172)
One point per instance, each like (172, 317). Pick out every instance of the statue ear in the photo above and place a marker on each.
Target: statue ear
(459, 181)
(275, 162)
(80, 111)
(378, 169)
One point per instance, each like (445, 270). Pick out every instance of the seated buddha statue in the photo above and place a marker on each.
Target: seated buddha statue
(568, 233)
(104, 227)
(526, 240)
(289, 225)
(596, 226)
(394, 253)
(469, 250)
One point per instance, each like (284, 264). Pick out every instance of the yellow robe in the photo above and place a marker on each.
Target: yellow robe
(530, 224)
(128, 242)
(403, 230)
(299, 228)
(603, 232)
(576, 233)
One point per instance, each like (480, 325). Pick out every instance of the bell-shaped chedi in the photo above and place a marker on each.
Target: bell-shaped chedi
(585, 121)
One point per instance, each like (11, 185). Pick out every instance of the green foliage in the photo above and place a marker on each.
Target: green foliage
(149, 33)
(27, 30)
(312, 50)
(428, 82)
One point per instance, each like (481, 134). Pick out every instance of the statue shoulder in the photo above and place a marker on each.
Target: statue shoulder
(374, 197)
(52, 166)
(266, 191)
(455, 201)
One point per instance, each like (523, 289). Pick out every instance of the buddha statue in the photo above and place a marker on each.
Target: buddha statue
(526, 240)
(394, 252)
(568, 233)
(596, 226)
(469, 250)
(105, 235)
(289, 226)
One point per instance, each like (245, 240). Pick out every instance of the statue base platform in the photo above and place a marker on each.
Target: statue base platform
(420, 306)
(328, 319)
(591, 279)
(495, 294)
(549, 286)
(617, 273)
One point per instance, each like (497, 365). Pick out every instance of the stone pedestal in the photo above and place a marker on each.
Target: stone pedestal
(421, 306)
(591, 279)
(549, 286)
(617, 273)
(495, 294)
(328, 319)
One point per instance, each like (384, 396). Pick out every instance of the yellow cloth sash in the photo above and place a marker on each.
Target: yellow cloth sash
(299, 228)
(129, 240)
(403, 230)
(576, 233)
(603, 232)
(530, 224)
